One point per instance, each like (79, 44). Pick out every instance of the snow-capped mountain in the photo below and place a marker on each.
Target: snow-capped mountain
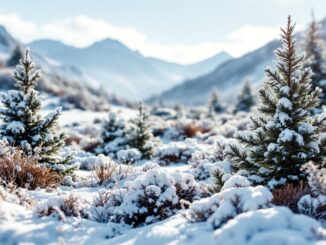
(226, 78)
(122, 71)
(65, 83)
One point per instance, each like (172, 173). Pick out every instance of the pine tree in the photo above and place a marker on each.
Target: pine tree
(214, 106)
(140, 136)
(245, 99)
(16, 56)
(284, 136)
(314, 47)
(23, 125)
(113, 135)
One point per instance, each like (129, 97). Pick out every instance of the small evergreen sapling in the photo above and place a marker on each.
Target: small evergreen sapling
(314, 47)
(140, 135)
(16, 56)
(214, 105)
(245, 99)
(284, 136)
(113, 135)
(23, 126)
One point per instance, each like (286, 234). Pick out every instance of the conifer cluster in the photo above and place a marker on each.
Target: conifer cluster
(284, 136)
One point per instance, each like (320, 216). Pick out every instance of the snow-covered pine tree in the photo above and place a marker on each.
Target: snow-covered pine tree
(23, 125)
(314, 47)
(284, 136)
(113, 135)
(140, 135)
(245, 99)
(16, 56)
(214, 105)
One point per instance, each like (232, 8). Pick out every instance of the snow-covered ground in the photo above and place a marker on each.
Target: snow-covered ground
(175, 180)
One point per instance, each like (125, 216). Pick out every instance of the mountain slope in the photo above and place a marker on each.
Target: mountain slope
(228, 77)
(122, 71)
(66, 83)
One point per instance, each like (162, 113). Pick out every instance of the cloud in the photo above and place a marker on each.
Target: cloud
(81, 31)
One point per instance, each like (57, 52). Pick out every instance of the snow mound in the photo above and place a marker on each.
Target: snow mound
(227, 204)
(277, 226)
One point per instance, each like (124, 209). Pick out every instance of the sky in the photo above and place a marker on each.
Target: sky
(182, 31)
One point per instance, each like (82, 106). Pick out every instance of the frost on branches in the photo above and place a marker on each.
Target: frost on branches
(284, 136)
(23, 125)
(314, 204)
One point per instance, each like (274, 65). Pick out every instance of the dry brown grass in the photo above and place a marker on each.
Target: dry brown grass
(111, 172)
(190, 130)
(26, 172)
(290, 194)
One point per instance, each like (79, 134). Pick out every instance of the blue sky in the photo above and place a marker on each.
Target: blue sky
(183, 31)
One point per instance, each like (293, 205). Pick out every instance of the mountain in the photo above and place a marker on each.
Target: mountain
(65, 83)
(118, 69)
(227, 78)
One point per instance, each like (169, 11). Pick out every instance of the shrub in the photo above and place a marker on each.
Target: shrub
(289, 195)
(150, 165)
(129, 156)
(314, 204)
(174, 152)
(104, 204)
(187, 189)
(64, 205)
(26, 172)
(110, 172)
(228, 203)
(12, 194)
(150, 198)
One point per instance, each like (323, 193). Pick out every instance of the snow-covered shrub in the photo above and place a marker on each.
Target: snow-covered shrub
(174, 152)
(64, 205)
(104, 205)
(316, 178)
(129, 156)
(202, 170)
(277, 226)
(187, 189)
(149, 165)
(15, 195)
(149, 198)
(228, 203)
(202, 162)
(88, 161)
(314, 204)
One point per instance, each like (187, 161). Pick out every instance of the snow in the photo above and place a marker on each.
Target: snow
(16, 127)
(275, 226)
